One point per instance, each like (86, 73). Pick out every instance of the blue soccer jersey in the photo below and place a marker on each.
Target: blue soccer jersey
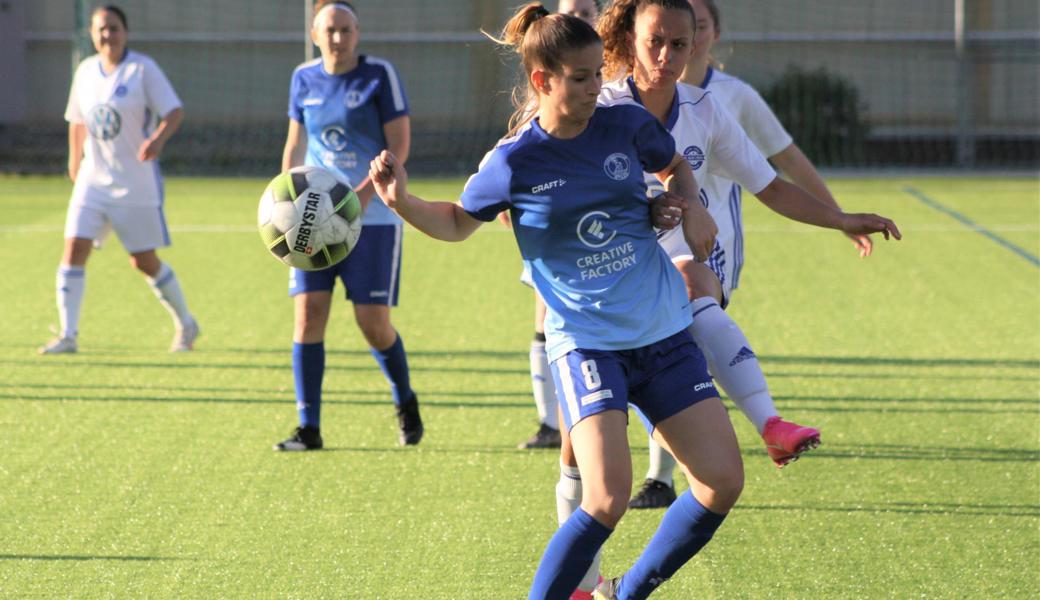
(582, 222)
(344, 115)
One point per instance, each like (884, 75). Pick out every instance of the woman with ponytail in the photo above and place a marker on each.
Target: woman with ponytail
(572, 178)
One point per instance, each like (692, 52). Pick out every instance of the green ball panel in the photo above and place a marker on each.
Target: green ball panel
(270, 234)
(281, 188)
(349, 207)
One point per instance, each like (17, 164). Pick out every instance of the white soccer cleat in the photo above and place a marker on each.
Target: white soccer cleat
(60, 345)
(184, 339)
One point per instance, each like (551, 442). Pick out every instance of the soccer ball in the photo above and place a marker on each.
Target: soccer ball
(309, 219)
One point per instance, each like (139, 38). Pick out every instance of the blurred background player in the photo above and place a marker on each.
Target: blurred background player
(548, 434)
(344, 108)
(616, 331)
(114, 146)
(746, 386)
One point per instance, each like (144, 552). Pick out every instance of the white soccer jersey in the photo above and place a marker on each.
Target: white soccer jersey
(120, 110)
(750, 110)
(719, 152)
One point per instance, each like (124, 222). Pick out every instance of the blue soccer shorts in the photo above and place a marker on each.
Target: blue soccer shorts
(370, 273)
(661, 379)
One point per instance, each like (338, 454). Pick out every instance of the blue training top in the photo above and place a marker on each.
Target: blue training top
(344, 117)
(582, 222)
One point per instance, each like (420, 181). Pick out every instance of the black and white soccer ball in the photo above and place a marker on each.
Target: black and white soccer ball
(309, 219)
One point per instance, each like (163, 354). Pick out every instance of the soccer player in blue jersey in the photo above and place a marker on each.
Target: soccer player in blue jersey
(344, 108)
(548, 434)
(572, 179)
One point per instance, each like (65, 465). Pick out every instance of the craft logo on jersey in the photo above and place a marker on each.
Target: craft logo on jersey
(104, 122)
(592, 232)
(307, 221)
(694, 156)
(121, 91)
(334, 138)
(617, 166)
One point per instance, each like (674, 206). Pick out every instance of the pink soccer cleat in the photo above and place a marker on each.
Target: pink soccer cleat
(786, 441)
(583, 595)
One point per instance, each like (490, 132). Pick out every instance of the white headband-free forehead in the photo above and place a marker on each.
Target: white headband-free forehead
(337, 6)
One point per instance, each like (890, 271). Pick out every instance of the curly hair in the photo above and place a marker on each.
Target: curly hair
(615, 26)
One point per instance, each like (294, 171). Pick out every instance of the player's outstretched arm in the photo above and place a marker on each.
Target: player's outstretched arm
(440, 220)
(699, 228)
(792, 161)
(796, 204)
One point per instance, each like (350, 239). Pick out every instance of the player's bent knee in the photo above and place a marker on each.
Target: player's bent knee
(721, 491)
(606, 508)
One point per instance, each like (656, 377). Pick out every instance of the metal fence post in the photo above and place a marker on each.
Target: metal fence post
(965, 90)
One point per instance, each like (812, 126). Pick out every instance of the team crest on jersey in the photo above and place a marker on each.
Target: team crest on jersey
(104, 122)
(334, 138)
(121, 91)
(592, 230)
(694, 156)
(617, 166)
(355, 97)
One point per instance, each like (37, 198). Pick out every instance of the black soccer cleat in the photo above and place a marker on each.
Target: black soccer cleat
(303, 438)
(545, 437)
(409, 422)
(653, 494)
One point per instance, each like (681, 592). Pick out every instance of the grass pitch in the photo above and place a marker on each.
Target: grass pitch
(130, 472)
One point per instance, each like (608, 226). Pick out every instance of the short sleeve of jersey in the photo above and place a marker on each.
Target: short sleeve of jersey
(487, 192)
(161, 97)
(735, 157)
(392, 101)
(295, 92)
(72, 112)
(761, 125)
(654, 145)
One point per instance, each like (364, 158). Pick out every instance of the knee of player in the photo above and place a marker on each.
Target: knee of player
(725, 489)
(607, 507)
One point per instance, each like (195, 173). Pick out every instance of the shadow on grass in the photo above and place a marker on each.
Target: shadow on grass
(426, 399)
(86, 360)
(923, 508)
(521, 357)
(900, 361)
(937, 453)
(908, 376)
(84, 557)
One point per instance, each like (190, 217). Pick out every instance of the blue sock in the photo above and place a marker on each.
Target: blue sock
(686, 527)
(394, 363)
(568, 556)
(308, 365)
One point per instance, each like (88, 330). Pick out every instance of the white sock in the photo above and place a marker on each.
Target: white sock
(168, 290)
(662, 464)
(542, 382)
(731, 361)
(70, 283)
(568, 499)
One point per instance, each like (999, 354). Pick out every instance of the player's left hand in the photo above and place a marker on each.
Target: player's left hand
(863, 244)
(666, 210)
(862, 224)
(389, 178)
(150, 149)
